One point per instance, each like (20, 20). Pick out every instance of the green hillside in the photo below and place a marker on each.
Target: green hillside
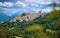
(47, 26)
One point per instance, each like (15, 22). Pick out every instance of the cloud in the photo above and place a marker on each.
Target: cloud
(40, 1)
(47, 10)
(57, 1)
(18, 3)
(9, 4)
(35, 5)
(1, 4)
(27, 5)
(6, 4)
(8, 11)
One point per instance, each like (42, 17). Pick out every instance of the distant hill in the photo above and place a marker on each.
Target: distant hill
(4, 17)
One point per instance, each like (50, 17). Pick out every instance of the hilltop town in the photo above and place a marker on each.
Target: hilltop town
(27, 17)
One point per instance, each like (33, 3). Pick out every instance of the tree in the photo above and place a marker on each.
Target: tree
(23, 14)
(54, 5)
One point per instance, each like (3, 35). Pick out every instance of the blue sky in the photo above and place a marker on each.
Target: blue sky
(11, 7)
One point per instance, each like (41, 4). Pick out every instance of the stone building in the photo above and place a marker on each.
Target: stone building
(27, 17)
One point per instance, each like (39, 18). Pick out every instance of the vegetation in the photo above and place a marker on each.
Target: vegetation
(7, 33)
(42, 27)
(23, 14)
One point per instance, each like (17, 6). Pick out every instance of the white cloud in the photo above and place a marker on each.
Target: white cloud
(25, 6)
(9, 4)
(1, 4)
(6, 4)
(8, 11)
(9, 15)
(40, 1)
(57, 1)
(47, 10)
(36, 5)
(18, 3)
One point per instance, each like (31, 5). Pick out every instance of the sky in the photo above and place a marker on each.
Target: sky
(11, 7)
